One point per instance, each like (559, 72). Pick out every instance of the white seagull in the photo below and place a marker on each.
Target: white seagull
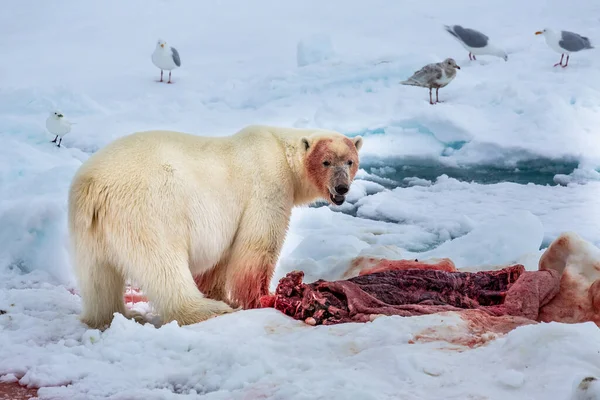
(565, 42)
(58, 125)
(165, 57)
(435, 75)
(475, 42)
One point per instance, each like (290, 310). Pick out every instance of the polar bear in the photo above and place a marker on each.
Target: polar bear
(198, 222)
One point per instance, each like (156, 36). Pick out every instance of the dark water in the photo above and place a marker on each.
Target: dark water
(539, 172)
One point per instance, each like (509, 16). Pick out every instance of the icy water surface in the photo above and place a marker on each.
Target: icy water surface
(539, 172)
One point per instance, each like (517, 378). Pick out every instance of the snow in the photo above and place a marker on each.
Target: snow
(324, 251)
(579, 175)
(314, 49)
(241, 65)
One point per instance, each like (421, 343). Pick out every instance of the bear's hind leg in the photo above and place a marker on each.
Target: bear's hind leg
(101, 289)
(212, 282)
(169, 285)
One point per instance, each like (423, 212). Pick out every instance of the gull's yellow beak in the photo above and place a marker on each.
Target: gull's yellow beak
(539, 32)
(162, 45)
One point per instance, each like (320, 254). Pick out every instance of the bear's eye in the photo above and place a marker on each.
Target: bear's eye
(350, 162)
(326, 163)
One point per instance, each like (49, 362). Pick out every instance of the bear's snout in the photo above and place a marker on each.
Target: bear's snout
(341, 189)
(339, 185)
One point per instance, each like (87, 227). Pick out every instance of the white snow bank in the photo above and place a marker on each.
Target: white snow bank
(578, 176)
(314, 49)
(495, 243)
(326, 253)
(33, 205)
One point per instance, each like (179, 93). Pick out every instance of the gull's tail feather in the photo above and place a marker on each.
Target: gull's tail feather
(586, 41)
(451, 31)
(410, 82)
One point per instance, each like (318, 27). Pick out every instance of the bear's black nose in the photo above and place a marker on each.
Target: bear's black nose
(341, 189)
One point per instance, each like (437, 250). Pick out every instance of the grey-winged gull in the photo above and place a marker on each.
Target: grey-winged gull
(475, 42)
(58, 125)
(565, 42)
(165, 57)
(435, 75)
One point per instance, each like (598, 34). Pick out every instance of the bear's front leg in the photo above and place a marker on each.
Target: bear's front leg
(251, 265)
(237, 283)
(249, 279)
(257, 244)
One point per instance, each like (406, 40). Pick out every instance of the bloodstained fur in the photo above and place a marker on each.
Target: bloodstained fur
(249, 287)
(319, 152)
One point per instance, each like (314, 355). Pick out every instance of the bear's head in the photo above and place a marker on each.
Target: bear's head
(331, 162)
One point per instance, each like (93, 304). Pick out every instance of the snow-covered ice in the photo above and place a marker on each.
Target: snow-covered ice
(517, 121)
(314, 49)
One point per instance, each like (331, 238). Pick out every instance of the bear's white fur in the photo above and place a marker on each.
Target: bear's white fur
(177, 213)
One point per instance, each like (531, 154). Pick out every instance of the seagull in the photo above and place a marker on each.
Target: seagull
(588, 389)
(565, 42)
(58, 125)
(475, 42)
(165, 57)
(435, 75)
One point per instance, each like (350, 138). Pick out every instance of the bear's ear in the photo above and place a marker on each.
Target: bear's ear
(305, 143)
(358, 142)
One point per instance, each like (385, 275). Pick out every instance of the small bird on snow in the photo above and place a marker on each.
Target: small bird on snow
(475, 42)
(588, 389)
(565, 42)
(58, 125)
(165, 57)
(435, 75)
